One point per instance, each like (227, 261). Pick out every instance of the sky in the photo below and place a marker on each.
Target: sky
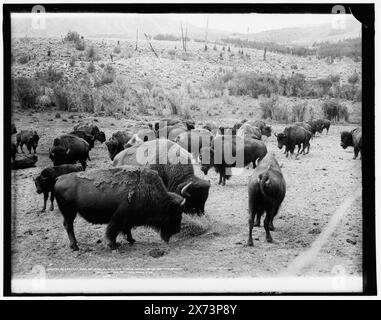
(240, 23)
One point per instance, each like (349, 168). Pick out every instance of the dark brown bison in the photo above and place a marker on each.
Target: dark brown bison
(267, 189)
(304, 125)
(123, 197)
(317, 125)
(352, 139)
(13, 150)
(117, 141)
(210, 125)
(93, 130)
(46, 180)
(142, 135)
(28, 137)
(238, 125)
(24, 162)
(231, 151)
(68, 149)
(294, 136)
(171, 132)
(175, 166)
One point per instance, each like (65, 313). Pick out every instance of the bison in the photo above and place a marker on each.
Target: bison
(249, 131)
(238, 125)
(46, 180)
(85, 136)
(175, 166)
(25, 162)
(117, 141)
(122, 197)
(233, 147)
(68, 149)
(210, 126)
(13, 128)
(294, 136)
(352, 139)
(13, 150)
(316, 126)
(261, 125)
(93, 130)
(267, 189)
(28, 137)
(171, 132)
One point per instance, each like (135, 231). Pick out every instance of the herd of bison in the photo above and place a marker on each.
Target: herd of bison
(153, 182)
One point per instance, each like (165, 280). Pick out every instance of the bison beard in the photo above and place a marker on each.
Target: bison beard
(123, 197)
(267, 190)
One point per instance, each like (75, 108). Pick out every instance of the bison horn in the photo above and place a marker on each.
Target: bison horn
(256, 162)
(184, 190)
(68, 151)
(182, 203)
(275, 134)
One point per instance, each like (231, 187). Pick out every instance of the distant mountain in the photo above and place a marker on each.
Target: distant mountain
(305, 35)
(124, 26)
(105, 26)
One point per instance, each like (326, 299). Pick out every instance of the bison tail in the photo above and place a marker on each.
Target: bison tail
(264, 181)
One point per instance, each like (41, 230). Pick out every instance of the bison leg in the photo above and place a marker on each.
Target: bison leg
(297, 153)
(46, 196)
(84, 164)
(267, 226)
(130, 239)
(251, 225)
(51, 200)
(356, 151)
(69, 226)
(29, 147)
(114, 227)
(21, 145)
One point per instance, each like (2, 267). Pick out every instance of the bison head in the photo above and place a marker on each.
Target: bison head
(282, 139)
(100, 136)
(346, 139)
(171, 224)
(266, 131)
(40, 183)
(112, 147)
(59, 155)
(196, 193)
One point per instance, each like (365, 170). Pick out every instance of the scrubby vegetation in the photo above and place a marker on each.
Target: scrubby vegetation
(166, 37)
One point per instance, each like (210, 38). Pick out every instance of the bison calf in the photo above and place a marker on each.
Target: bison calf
(24, 163)
(352, 139)
(267, 189)
(123, 197)
(46, 180)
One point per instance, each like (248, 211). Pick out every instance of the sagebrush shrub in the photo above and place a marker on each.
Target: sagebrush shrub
(26, 91)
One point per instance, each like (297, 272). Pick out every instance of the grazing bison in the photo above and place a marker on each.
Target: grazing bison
(166, 122)
(294, 136)
(47, 179)
(226, 131)
(326, 124)
(28, 137)
(265, 129)
(13, 128)
(175, 166)
(249, 131)
(194, 140)
(93, 130)
(352, 139)
(25, 162)
(123, 197)
(225, 152)
(85, 136)
(116, 143)
(68, 149)
(267, 189)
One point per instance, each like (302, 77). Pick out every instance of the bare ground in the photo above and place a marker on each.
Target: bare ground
(213, 245)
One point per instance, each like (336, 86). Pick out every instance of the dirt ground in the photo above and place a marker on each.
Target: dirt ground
(213, 245)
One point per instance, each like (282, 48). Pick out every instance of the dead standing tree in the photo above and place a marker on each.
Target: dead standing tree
(184, 38)
(136, 42)
(149, 42)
